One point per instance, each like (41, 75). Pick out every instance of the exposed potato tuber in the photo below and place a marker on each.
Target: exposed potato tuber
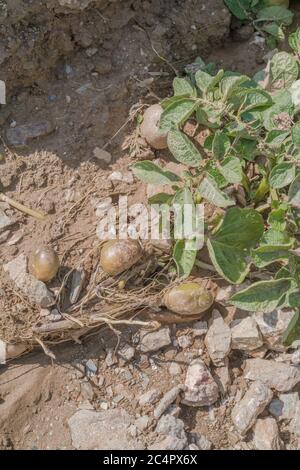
(188, 298)
(44, 264)
(150, 127)
(119, 255)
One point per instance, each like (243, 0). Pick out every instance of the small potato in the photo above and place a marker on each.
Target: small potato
(119, 255)
(44, 264)
(150, 128)
(188, 298)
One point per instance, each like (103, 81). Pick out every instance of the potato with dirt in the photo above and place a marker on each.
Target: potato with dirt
(188, 298)
(119, 255)
(150, 128)
(44, 264)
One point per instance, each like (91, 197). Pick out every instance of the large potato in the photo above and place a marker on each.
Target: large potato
(150, 127)
(188, 298)
(44, 264)
(119, 255)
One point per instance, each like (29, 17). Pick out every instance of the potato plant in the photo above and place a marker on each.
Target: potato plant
(248, 169)
(267, 16)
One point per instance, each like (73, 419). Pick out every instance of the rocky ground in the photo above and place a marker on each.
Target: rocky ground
(223, 382)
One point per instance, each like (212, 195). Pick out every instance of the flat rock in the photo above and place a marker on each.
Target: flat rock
(78, 279)
(168, 425)
(253, 403)
(103, 430)
(246, 335)
(20, 135)
(279, 376)
(284, 407)
(174, 369)
(169, 443)
(223, 378)
(266, 434)
(5, 221)
(295, 423)
(272, 326)
(36, 291)
(155, 340)
(199, 328)
(150, 397)
(218, 339)
(200, 387)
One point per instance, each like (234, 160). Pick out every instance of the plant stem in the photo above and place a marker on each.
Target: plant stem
(22, 208)
(206, 266)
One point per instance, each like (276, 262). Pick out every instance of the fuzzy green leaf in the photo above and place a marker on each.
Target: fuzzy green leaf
(263, 296)
(184, 258)
(293, 330)
(221, 145)
(231, 169)
(148, 172)
(282, 175)
(209, 190)
(177, 113)
(183, 148)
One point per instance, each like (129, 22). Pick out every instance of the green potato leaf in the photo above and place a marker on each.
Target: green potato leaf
(209, 190)
(282, 175)
(150, 173)
(184, 257)
(177, 113)
(263, 296)
(183, 148)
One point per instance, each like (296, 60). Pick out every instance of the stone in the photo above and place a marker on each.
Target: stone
(253, 403)
(102, 155)
(91, 368)
(155, 340)
(246, 335)
(200, 387)
(103, 430)
(75, 4)
(279, 376)
(102, 65)
(199, 328)
(142, 423)
(168, 425)
(284, 407)
(111, 359)
(16, 238)
(295, 423)
(87, 392)
(218, 339)
(201, 441)
(185, 341)
(272, 326)
(126, 352)
(174, 369)
(20, 135)
(295, 359)
(266, 434)
(167, 400)
(150, 397)
(169, 443)
(126, 176)
(78, 279)
(223, 378)
(5, 221)
(4, 235)
(36, 291)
